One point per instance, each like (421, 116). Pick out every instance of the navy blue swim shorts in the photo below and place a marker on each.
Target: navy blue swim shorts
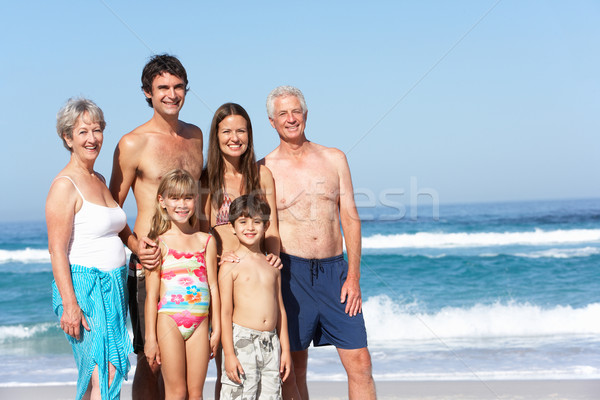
(311, 295)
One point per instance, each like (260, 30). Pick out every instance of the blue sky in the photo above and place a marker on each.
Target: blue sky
(473, 100)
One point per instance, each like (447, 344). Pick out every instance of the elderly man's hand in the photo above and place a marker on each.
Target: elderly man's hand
(351, 296)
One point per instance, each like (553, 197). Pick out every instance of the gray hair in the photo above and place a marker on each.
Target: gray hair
(284, 91)
(73, 109)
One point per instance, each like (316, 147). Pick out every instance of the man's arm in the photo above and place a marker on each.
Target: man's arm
(125, 165)
(352, 236)
(121, 179)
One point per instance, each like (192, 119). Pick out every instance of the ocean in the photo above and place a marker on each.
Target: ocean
(466, 292)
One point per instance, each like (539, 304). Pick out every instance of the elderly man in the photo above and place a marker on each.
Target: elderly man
(321, 290)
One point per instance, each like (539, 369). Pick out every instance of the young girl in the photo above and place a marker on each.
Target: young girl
(180, 292)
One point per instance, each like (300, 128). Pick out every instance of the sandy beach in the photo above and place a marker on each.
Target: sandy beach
(386, 390)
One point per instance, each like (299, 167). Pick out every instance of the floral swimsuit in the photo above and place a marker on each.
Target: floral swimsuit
(187, 298)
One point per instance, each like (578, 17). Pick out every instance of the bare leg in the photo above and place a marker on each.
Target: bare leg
(300, 360)
(289, 387)
(93, 389)
(94, 386)
(360, 379)
(218, 361)
(172, 355)
(197, 354)
(88, 393)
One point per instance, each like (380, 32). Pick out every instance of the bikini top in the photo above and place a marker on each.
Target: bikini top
(223, 213)
(95, 238)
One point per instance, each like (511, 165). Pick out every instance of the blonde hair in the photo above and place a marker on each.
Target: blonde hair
(176, 183)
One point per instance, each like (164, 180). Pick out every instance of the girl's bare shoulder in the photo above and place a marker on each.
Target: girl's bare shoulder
(203, 238)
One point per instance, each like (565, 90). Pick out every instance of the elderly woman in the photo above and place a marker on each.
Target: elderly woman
(88, 258)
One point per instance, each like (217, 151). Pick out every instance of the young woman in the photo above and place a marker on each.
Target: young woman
(231, 171)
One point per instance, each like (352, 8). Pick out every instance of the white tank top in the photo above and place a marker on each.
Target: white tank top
(95, 238)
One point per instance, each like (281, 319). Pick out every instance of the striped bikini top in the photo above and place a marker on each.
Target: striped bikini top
(223, 213)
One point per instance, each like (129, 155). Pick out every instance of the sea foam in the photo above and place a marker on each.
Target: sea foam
(562, 253)
(19, 331)
(537, 237)
(29, 255)
(26, 255)
(387, 320)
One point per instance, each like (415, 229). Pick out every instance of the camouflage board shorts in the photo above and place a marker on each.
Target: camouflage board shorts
(259, 353)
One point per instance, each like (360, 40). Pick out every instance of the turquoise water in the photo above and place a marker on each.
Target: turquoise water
(494, 291)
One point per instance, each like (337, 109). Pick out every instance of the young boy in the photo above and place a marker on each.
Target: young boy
(256, 349)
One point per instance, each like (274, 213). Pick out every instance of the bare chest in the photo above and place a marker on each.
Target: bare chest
(162, 156)
(256, 277)
(303, 189)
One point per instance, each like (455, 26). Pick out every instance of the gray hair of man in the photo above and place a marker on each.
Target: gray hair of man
(284, 91)
(67, 116)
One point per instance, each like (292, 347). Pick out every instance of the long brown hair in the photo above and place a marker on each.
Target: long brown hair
(215, 166)
(176, 183)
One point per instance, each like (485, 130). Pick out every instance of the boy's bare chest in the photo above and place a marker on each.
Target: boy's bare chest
(257, 277)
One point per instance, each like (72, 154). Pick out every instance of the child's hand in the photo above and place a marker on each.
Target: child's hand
(274, 260)
(215, 339)
(228, 256)
(152, 353)
(285, 365)
(234, 369)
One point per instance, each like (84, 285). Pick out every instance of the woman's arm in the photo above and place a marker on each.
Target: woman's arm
(215, 301)
(61, 205)
(151, 349)
(267, 184)
(233, 368)
(285, 365)
(272, 243)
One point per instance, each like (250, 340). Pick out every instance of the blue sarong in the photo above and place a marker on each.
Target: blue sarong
(103, 300)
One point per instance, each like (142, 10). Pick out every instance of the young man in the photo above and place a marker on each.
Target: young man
(321, 290)
(256, 351)
(141, 158)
